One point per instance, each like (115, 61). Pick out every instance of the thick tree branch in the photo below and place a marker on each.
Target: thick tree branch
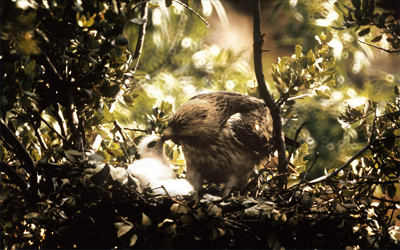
(265, 94)
(22, 154)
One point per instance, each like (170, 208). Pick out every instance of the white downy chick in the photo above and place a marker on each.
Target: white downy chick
(153, 169)
(147, 149)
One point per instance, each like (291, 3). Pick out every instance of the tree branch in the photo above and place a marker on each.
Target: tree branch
(336, 171)
(60, 119)
(136, 55)
(191, 10)
(48, 125)
(142, 33)
(22, 154)
(265, 94)
(14, 176)
(295, 138)
(376, 47)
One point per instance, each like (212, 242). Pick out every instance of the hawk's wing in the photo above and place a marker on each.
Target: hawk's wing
(248, 119)
(254, 130)
(226, 104)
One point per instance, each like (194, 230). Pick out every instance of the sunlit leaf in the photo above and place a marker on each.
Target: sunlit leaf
(123, 230)
(298, 51)
(133, 240)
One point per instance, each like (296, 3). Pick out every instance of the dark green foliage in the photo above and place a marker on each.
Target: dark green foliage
(382, 15)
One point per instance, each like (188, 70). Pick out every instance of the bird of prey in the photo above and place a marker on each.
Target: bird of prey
(223, 135)
(153, 169)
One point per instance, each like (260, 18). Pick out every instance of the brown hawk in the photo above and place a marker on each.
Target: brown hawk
(223, 135)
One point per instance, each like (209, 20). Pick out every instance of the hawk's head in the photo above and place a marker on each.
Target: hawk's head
(195, 121)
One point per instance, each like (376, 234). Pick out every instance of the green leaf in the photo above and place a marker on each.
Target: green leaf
(109, 91)
(356, 4)
(298, 49)
(376, 39)
(365, 5)
(391, 191)
(323, 94)
(310, 57)
(328, 38)
(121, 40)
(29, 68)
(128, 99)
(371, 8)
(71, 155)
(103, 133)
(107, 115)
(330, 72)
(397, 89)
(364, 32)
(312, 70)
(338, 28)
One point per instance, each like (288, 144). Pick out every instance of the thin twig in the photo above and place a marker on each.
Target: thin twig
(39, 134)
(298, 97)
(317, 154)
(304, 177)
(295, 138)
(336, 171)
(60, 119)
(137, 130)
(141, 35)
(376, 47)
(191, 10)
(374, 124)
(51, 67)
(36, 114)
(123, 132)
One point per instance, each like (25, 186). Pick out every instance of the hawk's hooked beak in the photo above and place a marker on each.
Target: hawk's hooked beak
(159, 144)
(165, 137)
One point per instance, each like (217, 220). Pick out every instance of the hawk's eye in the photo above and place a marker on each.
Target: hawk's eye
(152, 144)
